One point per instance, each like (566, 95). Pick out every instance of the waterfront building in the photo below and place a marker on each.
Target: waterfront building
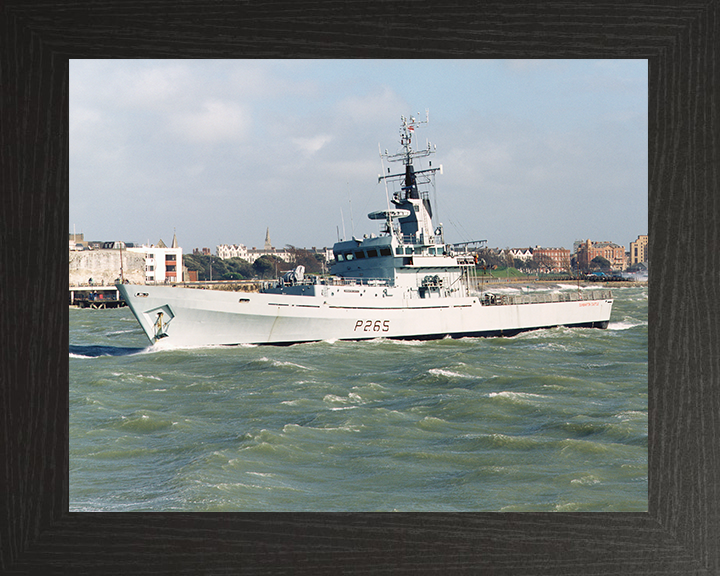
(523, 254)
(163, 265)
(77, 242)
(557, 259)
(254, 254)
(105, 267)
(639, 250)
(613, 253)
(225, 251)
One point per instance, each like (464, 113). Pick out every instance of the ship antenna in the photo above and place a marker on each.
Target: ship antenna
(382, 167)
(122, 274)
(352, 222)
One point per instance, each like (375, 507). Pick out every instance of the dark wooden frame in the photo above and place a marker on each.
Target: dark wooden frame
(681, 532)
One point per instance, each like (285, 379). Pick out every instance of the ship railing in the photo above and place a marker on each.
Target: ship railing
(419, 239)
(493, 299)
(332, 281)
(339, 281)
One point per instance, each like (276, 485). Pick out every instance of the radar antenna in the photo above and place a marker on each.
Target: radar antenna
(406, 156)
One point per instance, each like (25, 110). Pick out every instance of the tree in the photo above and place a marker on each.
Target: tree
(491, 258)
(267, 266)
(302, 257)
(239, 269)
(600, 263)
(541, 262)
(230, 269)
(198, 263)
(520, 264)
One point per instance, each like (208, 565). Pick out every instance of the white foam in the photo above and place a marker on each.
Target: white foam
(352, 397)
(117, 332)
(447, 373)
(516, 395)
(625, 325)
(586, 480)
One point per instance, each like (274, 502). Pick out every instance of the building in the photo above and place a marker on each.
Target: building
(225, 251)
(326, 253)
(163, 265)
(613, 253)
(556, 259)
(104, 267)
(639, 250)
(522, 254)
(105, 263)
(254, 254)
(77, 242)
(250, 255)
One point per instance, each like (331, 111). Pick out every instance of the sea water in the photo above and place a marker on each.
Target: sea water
(549, 420)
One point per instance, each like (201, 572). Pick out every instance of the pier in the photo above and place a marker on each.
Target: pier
(97, 297)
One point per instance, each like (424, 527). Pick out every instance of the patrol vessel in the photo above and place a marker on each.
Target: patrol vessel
(404, 283)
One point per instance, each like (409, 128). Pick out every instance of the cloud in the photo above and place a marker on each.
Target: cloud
(525, 144)
(265, 81)
(152, 85)
(309, 146)
(384, 107)
(215, 121)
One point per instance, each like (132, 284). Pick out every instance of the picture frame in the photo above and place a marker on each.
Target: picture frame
(679, 533)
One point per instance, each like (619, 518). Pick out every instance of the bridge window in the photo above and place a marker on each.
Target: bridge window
(349, 256)
(359, 254)
(385, 252)
(372, 253)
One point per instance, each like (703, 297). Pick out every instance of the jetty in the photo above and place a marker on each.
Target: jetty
(96, 297)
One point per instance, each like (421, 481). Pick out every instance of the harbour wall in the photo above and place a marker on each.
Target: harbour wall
(103, 266)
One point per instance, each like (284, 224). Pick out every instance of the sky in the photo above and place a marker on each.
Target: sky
(534, 152)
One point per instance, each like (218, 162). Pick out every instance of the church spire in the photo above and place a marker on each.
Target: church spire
(268, 244)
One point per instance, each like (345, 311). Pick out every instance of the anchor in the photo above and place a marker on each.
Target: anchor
(160, 327)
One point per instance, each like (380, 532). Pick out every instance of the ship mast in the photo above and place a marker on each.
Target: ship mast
(419, 223)
(407, 154)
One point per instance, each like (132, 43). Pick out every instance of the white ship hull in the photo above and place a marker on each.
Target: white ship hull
(185, 317)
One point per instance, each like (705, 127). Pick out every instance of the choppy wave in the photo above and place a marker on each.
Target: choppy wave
(517, 396)
(447, 373)
(548, 420)
(95, 351)
(264, 362)
(626, 324)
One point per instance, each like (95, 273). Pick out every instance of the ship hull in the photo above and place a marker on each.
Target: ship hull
(186, 317)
